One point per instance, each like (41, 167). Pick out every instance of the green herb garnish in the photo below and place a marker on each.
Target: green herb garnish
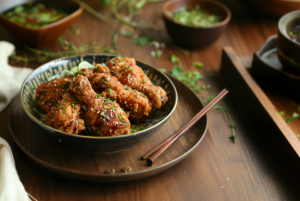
(198, 64)
(174, 58)
(73, 103)
(61, 106)
(52, 116)
(141, 40)
(98, 132)
(110, 92)
(74, 97)
(281, 113)
(106, 101)
(80, 72)
(44, 92)
(290, 119)
(65, 111)
(119, 117)
(99, 95)
(128, 68)
(103, 115)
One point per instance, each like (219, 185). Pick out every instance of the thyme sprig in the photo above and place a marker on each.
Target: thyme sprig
(67, 49)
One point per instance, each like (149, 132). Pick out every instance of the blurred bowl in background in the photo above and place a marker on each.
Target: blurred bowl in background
(288, 48)
(276, 8)
(43, 36)
(192, 36)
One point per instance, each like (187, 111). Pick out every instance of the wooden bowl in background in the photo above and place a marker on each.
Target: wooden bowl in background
(46, 35)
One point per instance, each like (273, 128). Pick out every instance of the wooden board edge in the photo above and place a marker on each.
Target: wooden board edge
(229, 53)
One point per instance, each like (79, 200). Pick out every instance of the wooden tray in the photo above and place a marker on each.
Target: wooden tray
(90, 166)
(239, 81)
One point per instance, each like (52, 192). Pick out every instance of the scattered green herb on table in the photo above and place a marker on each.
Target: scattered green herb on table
(281, 113)
(290, 119)
(198, 64)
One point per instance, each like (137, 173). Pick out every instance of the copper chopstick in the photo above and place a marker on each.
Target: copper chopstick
(154, 153)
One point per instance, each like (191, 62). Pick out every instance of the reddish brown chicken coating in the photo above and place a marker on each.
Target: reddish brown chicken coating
(68, 78)
(85, 72)
(129, 74)
(67, 116)
(49, 93)
(99, 68)
(132, 101)
(105, 117)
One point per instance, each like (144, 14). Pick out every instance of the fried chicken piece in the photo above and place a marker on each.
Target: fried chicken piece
(129, 74)
(105, 117)
(85, 72)
(67, 116)
(132, 101)
(99, 68)
(49, 93)
(68, 78)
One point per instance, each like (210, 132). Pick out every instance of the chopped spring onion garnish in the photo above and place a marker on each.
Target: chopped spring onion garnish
(125, 102)
(73, 103)
(110, 92)
(144, 95)
(98, 132)
(125, 87)
(80, 72)
(103, 115)
(44, 92)
(114, 72)
(52, 116)
(98, 69)
(138, 96)
(128, 111)
(74, 97)
(99, 95)
(106, 101)
(119, 117)
(128, 68)
(65, 111)
(55, 104)
(62, 106)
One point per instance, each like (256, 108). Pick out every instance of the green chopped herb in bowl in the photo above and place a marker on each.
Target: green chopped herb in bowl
(195, 17)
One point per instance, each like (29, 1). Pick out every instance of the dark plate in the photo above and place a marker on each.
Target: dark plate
(268, 72)
(85, 141)
(90, 166)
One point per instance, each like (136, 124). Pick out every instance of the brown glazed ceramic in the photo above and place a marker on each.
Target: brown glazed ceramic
(276, 8)
(191, 36)
(46, 35)
(91, 166)
(268, 72)
(288, 50)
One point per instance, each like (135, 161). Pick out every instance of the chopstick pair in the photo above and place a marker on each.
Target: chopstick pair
(154, 153)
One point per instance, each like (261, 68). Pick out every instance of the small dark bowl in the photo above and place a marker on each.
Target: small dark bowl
(191, 36)
(46, 35)
(86, 142)
(288, 50)
(268, 72)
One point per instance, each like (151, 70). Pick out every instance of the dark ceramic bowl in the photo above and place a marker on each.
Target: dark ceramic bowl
(46, 35)
(288, 49)
(191, 36)
(86, 142)
(268, 72)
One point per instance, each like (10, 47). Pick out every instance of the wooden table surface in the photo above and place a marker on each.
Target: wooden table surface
(256, 167)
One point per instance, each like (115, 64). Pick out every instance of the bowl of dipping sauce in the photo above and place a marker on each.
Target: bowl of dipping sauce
(288, 42)
(195, 23)
(38, 23)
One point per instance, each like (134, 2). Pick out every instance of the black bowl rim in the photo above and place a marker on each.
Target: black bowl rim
(49, 26)
(281, 28)
(224, 22)
(96, 137)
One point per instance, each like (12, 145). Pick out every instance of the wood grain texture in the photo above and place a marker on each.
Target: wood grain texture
(260, 166)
